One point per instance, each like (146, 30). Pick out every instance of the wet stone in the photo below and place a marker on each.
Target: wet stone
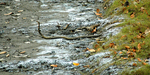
(70, 68)
(44, 6)
(100, 1)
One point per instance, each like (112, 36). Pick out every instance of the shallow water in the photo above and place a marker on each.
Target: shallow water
(63, 52)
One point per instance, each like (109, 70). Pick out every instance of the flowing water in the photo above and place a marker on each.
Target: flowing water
(62, 52)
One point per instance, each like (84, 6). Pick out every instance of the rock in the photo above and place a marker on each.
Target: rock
(44, 6)
(100, 1)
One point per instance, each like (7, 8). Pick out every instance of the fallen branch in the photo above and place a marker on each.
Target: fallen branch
(68, 38)
(66, 26)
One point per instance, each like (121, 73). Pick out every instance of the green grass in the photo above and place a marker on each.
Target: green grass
(132, 28)
(144, 70)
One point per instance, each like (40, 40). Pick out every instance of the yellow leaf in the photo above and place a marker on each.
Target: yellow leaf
(3, 52)
(75, 64)
(22, 52)
(7, 55)
(54, 65)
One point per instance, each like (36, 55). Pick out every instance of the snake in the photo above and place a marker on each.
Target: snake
(65, 37)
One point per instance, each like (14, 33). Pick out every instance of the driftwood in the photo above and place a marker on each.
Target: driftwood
(68, 38)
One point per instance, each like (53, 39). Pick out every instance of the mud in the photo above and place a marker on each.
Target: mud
(18, 32)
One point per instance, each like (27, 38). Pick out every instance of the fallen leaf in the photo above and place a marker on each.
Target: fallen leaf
(54, 65)
(139, 59)
(20, 11)
(127, 12)
(98, 49)
(142, 9)
(86, 66)
(143, 43)
(127, 47)
(98, 14)
(91, 50)
(132, 41)
(135, 6)
(116, 47)
(75, 64)
(105, 8)
(146, 12)
(24, 18)
(128, 51)
(94, 30)
(132, 15)
(94, 70)
(123, 36)
(7, 55)
(137, 1)
(147, 31)
(9, 13)
(125, 58)
(124, 8)
(22, 52)
(3, 52)
(96, 46)
(134, 64)
(120, 52)
(138, 37)
(139, 46)
(97, 10)
(144, 63)
(111, 45)
(131, 54)
(115, 52)
(146, 60)
(134, 50)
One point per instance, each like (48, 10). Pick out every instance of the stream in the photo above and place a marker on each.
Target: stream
(62, 52)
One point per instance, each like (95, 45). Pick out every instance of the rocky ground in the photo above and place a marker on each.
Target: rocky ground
(23, 51)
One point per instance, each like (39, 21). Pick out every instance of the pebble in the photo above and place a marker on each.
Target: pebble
(27, 42)
(27, 36)
(44, 6)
